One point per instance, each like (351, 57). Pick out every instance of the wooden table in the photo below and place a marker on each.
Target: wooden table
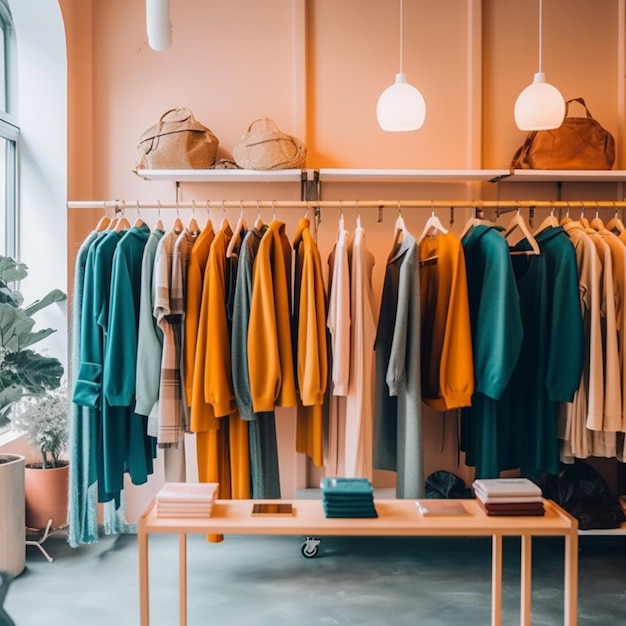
(395, 518)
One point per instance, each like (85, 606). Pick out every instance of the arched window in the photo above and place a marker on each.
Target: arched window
(9, 133)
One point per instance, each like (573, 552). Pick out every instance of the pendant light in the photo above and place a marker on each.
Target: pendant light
(158, 24)
(540, 106)
(401, 106)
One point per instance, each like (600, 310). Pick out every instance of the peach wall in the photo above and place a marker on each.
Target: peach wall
(231, 62)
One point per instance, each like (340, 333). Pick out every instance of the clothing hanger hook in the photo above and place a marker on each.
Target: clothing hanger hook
(258, 210)
(273, 211)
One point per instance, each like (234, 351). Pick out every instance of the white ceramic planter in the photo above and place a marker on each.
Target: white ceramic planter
(12, 523)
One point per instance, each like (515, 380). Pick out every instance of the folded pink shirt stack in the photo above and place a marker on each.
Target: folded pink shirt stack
(508, 496)
(186, 499)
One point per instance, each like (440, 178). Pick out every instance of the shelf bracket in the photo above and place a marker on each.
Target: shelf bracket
(310, 189)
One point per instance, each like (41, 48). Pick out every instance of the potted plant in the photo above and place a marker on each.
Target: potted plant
(23, 373)
(44, 420)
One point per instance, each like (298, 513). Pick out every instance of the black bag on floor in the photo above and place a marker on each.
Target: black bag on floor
(583, 493)
(444, 484)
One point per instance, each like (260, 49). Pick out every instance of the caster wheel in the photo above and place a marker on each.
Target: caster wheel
(309, 549)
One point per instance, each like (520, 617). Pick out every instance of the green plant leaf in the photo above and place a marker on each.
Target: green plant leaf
(56, 295)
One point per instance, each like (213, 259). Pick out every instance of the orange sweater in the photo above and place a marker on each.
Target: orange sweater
(270, 357)
(447, 356)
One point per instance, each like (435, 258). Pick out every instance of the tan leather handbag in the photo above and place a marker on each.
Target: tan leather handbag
(265, 147)
(176, 142)
(580, 143)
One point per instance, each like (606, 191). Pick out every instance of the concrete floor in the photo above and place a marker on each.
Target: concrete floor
(264, 581)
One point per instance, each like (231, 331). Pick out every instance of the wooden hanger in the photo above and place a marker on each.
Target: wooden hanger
(122, 221)
(519, 222)
(224, 224)
(193, 227)
(258, 222)
(583, 220)
(138, 222)
(550, 222)
(597, 223)
(474, 221)
(122, 224)
(240, 227)
(432, 225)
(178, 225)
(399, 229)
(103, 222)
(615, 224)
(159, 222)
(566, 219)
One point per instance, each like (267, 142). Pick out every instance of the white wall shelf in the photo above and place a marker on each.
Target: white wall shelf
(223, 176)
(347, 175)
(408, 175)
(566, 176)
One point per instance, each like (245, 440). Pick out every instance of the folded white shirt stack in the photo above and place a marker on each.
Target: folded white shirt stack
(508, 496)
(186, 499)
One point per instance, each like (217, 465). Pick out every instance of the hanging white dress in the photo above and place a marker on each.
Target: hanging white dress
(360, 398)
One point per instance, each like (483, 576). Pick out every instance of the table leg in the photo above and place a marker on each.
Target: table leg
(144, 599)
(182, 578)
(526, 582)
(571, 579)
(496, 581)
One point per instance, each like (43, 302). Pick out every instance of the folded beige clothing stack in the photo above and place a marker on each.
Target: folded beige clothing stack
(508, 496)
(186, 499)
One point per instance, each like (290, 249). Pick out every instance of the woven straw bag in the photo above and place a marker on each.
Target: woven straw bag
(265, 147)
(177, 142)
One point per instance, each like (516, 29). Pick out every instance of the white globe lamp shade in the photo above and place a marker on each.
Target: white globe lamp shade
(158, 24)
(401, 107)
(540, 106)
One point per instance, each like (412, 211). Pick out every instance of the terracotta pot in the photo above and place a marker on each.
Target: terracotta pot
(12, 546)
(46, 495)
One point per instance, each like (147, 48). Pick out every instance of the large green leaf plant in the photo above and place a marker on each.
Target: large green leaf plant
(24, 373)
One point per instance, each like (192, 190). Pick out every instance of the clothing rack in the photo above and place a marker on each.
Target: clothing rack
(121, 205)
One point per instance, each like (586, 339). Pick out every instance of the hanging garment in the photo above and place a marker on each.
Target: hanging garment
(270, 355)
(84, 420)
(446, 343)
(309, 324)
(211, 432)
(149, 336)
(127, 447)
(612, 409)
(183, 247)
(577, 441)
(496, 328)
(338, 317)
(398, 401)
(334, 412)
(170, 414)
(264, 467)
(82, 496)
(218, 387)
(564, 349)
(618, 263)
(360, 397)
(549, 367)
(195, 276)
(93, 328)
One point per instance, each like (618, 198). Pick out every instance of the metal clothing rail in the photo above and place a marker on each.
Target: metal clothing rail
(121, 205)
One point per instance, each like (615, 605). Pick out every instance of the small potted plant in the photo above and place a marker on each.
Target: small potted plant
(44, 420)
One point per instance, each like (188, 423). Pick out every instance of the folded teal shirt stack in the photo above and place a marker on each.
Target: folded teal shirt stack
(348, 497)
